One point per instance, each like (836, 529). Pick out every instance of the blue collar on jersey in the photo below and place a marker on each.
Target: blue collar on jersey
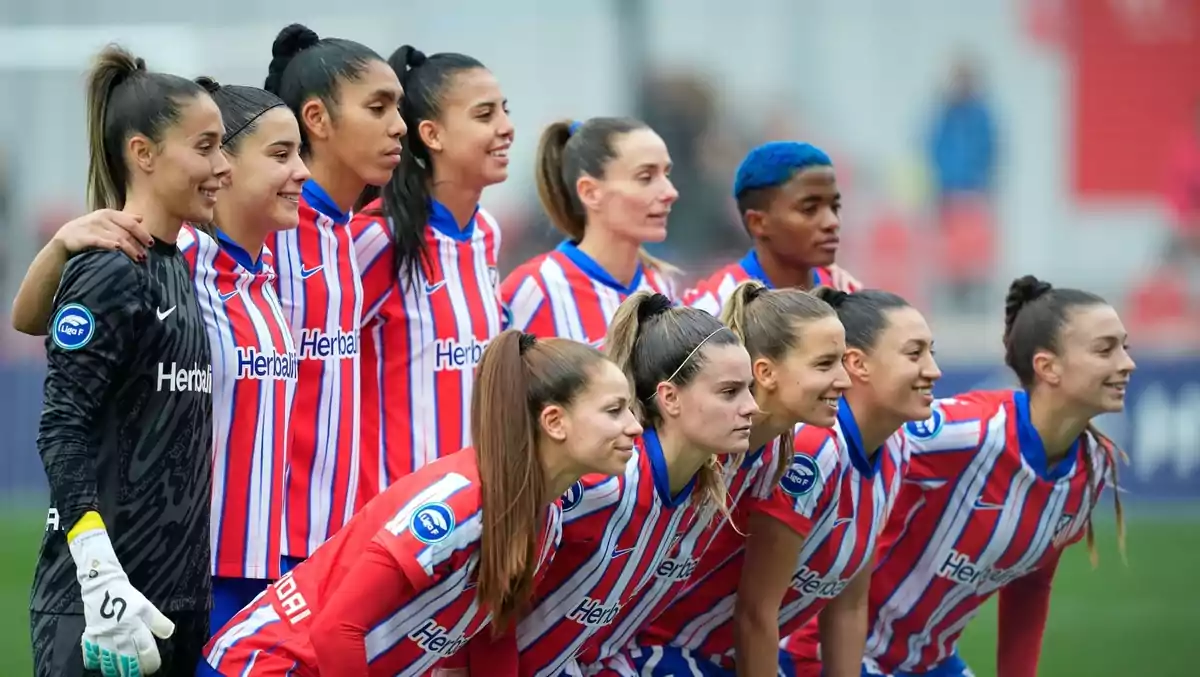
(240, 255)
(1032, 446)
(593, 270)
(318, 199)
(754, 269)
(658, 465)
(750, 459)
(854, 442)
(441, 220)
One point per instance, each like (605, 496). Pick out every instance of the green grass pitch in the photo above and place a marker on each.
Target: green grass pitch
(1140, 621)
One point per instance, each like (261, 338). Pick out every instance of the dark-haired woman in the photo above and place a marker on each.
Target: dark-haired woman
(127, 418)
(345, 97)
(428, 252)
(254, 357)
(788, 198)
(999, 484)
(456, 546)
(606, 185)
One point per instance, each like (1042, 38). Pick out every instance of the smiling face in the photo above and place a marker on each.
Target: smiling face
(901, 366)
(1093, 366)
(470, 138)
(806, 384)
(599, 427)
(267, 173)
(186, 168)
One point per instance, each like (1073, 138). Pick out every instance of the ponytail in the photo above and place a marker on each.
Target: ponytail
(510, 477)
(107, 175)
(558, 198)
(1112, 455)
(124, 99)
(519, 376)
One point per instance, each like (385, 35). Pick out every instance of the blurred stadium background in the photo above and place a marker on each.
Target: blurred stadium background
(974, 141)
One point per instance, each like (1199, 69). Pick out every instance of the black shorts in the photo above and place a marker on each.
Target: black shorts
(57, 650)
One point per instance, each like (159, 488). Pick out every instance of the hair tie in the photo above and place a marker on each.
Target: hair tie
(525, 342)
(574, 127)
(755, 292)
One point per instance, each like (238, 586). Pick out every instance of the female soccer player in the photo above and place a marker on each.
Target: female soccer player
(427, 252)
(788, 198)
(345, 97)
(419, 570)
(1000, 482)
(605, 184)
(796, 343)
(811, 544)
(254, 372)
(255, 363)
(691, 379)
(127, 419)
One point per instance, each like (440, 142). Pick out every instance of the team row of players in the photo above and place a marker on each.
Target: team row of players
(346, 338)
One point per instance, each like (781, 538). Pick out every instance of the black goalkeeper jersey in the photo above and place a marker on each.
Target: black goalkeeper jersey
(126, 427)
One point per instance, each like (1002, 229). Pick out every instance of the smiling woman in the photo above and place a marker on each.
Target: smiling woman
(123, 331)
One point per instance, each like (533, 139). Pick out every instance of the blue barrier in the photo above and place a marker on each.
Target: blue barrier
(1160, 429)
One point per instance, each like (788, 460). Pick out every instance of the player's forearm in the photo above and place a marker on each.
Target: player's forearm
(35, 298)
(71, 472)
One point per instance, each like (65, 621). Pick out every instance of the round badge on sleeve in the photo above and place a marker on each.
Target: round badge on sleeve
(801, 477)
(73, 327)
(432, 522)
(928, 429)
(573, 496)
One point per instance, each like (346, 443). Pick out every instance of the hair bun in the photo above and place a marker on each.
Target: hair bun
(139, 64)
(1027, 288)
(414, 57)
(654, 304)
(292, 40)
(210, 85)
(525, 342)
(834, 297)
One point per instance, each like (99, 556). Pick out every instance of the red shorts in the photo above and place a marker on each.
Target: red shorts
(258, 643)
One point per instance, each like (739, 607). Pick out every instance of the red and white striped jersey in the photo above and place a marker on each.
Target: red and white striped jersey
(319, 287)
(980, 509)
(618, 533)
(422, 340)
(565, 293)
(711, 293)
(254, 380)
(703, 544)
(427, 526)
(838, 499)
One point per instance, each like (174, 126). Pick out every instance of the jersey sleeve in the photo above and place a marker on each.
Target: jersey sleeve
(425, 545)
(372, 591)
(373, 251)
(92, 334)
(1024, 608)
(942, 446)
(527, 306)
(808, 487)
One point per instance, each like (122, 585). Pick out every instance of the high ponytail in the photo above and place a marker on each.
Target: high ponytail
(558, 197)
(518, 377)
(124, 99)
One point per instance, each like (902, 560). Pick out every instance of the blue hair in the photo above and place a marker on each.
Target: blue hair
(773, 164)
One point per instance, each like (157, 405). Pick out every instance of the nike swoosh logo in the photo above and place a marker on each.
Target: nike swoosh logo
(163, 314)
(226, 297)
(623, 551)
(430, 289)
(984, 505)
(842, 520)
(306, 273)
